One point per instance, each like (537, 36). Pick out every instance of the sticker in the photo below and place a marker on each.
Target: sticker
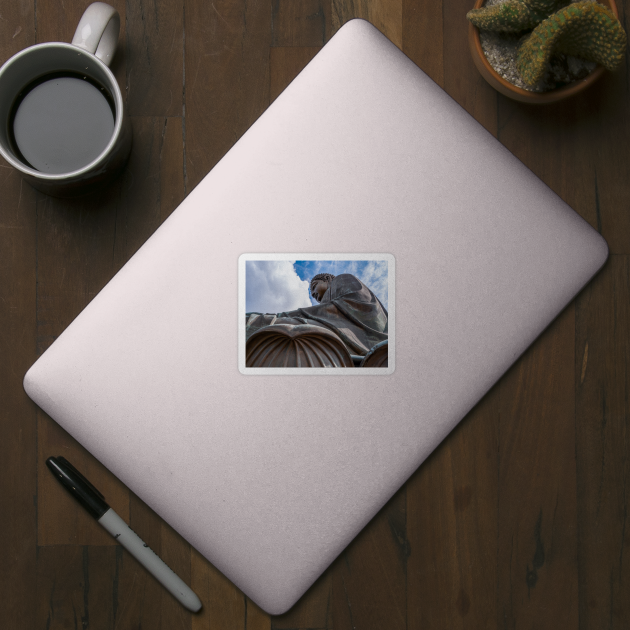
(313, 314)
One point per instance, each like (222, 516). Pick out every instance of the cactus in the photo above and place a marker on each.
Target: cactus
(513, 16)
(584, 29)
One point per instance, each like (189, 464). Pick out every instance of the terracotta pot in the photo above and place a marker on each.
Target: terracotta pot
(518, 94)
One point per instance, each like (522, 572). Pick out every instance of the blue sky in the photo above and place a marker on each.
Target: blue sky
(272, 286)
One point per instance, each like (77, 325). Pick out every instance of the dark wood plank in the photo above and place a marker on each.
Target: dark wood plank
(300, 22)
(386, 15)
(452, 527)
(18, 415)
(558, 147)
(18, 420)
(171, 160)
(224, 606)
(76, 587)
(255, 618)
(608, 136)
(422, 36)
(154, 57)
(578, 148)
(17, 28)
(313, 610)
(285, 64)
(461, 78)
(369, 577)
(603, 443)
(74, 245)
(537, 537)
(608, 126)
(57, 23)
(226, 78)
(152, 185)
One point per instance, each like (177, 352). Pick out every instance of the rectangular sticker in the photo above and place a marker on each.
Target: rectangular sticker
(316, 314)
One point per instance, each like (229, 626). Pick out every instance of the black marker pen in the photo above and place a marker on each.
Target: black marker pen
(94, 502)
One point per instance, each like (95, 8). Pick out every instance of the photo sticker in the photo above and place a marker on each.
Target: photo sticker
(316, 314)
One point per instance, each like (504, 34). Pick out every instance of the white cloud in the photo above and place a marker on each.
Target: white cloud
(374, 275)
(272, 286)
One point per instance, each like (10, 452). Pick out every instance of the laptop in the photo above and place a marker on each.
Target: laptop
(367, 173)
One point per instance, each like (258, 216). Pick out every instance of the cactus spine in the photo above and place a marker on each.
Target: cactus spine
(583, 29)
(513, 16)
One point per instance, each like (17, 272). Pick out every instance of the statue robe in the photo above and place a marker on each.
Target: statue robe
(348, 308)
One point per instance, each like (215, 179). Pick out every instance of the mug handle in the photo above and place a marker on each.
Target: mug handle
(98, 30)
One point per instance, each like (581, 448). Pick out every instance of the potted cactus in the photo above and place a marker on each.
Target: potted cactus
(558, 49)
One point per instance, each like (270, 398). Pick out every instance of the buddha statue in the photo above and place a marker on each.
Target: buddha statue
(348, 327)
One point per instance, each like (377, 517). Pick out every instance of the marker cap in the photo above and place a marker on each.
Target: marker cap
(78, 486)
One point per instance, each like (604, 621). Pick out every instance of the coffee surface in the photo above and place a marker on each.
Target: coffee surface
(62, 124)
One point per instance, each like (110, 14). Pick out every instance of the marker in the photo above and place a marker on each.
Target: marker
(94, 502)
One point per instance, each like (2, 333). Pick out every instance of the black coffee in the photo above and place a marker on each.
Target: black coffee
(61, 123)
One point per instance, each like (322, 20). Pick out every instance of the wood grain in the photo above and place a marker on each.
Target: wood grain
(18, 416)
(285, 64)
(386, 15)
(151, 187)
(517, 520)
(537, 510)
(461, 79)
(313, 609)
(226, 78)
(452, 515)
(422, 36)
(76, 587)
(573, 149)
(300, 22)
(369, 577)
(224, 606)
(602, 380)
(609, 134)
(154, 58)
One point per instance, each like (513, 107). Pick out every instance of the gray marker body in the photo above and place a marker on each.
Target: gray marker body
(149, 559)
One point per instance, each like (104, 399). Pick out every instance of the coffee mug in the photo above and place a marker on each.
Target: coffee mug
(62, 114)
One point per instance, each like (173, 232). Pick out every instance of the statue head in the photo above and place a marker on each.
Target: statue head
(319, 285)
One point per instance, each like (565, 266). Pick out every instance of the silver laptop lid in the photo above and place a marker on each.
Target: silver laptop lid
(270, 476)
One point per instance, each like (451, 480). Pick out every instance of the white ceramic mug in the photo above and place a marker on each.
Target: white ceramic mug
(86, 58)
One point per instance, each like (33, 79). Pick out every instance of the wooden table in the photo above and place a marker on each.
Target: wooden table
(518, 520)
